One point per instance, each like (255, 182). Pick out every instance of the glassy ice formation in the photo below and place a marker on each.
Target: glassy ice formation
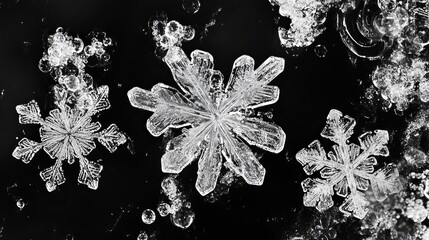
(215, 115)
(69, 133)
(307, 20)
(181, 214)
(348, 170)
(169, 34)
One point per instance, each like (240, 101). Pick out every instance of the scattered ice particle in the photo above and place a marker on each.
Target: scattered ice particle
(183, 218)
(213, 112)
(320, 51)
(348, 170)
(191, 6)
(142, 236)
(163, 209)
(20, 204)
(148, 216)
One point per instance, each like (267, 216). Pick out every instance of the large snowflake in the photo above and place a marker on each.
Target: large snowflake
(69, 134)
(348, 169)
(215, 114)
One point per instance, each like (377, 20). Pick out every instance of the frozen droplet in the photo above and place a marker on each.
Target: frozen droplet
(72, 83)
(89, 50)
(320, 51)
(78, 44)
(191, 6)
(142, 236)
(44, 65)
(183, 218)
(105, 57)
(148, 216)
(107, 42)
(20, 204)
(174, 29)
(163, 209)
(188, 33)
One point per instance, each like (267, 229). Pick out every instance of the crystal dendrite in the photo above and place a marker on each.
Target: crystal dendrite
(69, 134)
(215, 116)
(348, 169)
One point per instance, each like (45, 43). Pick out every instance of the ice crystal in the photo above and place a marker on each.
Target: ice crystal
(68, 134)
(215, 114)
(348, 169)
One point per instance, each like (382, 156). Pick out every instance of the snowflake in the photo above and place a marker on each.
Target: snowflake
(68, 134)
(216, 115)
(348, 169)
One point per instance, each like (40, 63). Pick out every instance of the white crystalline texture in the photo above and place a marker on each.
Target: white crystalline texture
(68, 134)
(400, 83)
(307, 21)
(217, 127)
(347, 170)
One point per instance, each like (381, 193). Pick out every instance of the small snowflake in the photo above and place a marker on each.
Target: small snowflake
(216, 115)
(348, 169)
(69, 134)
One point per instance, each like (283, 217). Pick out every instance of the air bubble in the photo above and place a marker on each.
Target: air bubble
(320, 51)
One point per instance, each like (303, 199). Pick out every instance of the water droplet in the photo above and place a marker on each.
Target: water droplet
(191, 6)
(320, 51)
(20, 204)
(148, 216)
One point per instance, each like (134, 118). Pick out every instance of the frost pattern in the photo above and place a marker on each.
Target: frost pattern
(215, 115)
(68, 133)
(348, 169)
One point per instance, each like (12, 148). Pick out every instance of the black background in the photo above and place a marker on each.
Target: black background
(310, 87)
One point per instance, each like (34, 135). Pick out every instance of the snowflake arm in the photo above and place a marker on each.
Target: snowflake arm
(347, 170)
(214, 115)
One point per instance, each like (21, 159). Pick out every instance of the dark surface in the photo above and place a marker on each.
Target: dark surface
(310, 87)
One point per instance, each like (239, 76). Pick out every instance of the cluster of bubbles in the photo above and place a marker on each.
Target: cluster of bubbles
(169, 34)
(66, 58)
(180, 211)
